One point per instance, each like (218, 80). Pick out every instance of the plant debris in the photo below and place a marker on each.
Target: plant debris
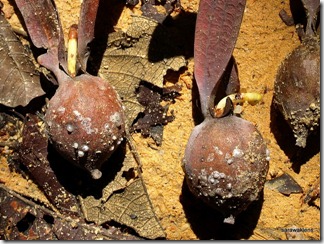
(285, 184)
(34, 155)
(150, 122)
(139, 55)
(19, 79)
(22, 219)
(149, 9)
(125, 201)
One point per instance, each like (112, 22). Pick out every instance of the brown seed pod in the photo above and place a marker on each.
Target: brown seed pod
(85, 121)
(297, 90)
(228, 169)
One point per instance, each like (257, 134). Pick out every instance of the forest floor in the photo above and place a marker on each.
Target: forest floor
(263, 43)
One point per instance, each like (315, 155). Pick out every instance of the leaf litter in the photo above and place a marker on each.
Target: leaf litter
(138, 55)
(19, 78)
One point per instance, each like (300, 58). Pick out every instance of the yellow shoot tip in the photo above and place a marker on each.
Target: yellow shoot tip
(72, 50)
(237, 98)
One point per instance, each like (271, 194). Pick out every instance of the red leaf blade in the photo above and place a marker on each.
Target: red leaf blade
(44, 28)
(217, 27)
(86, 28)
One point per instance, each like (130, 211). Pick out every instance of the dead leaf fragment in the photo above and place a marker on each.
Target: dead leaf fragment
(19, 80)
(22, 219)
(139, 55)
(125, 201)
(34, 155)
(285, 184)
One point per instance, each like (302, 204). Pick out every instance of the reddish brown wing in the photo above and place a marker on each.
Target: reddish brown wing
(217, 27)
(44, 28)
(87, 22)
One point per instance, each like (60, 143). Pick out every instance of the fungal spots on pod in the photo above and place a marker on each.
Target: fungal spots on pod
(120, 140)
(228, 158)
(80, 154)
(85, 122)
(212, 180)
(218, 175)
(229, 186)
(96, 174)
(229, 220)
(217, 150)
(69, 128)
(268, 155)
(210, 157)
(115, 118)
(107, 127)
(237, 153)
(85, 148)
(61, 110)
(75, 145)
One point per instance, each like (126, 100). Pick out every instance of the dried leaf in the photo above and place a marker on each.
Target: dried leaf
(138, 55)
(154, 116)
(125, 201)
(19, 80)
(150, 9)
(34, 155)
(22, 219)
(217, 28)
(285, 184)
(44, 28)
(87, 19)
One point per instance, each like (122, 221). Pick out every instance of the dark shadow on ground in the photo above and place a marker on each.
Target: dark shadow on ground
(207, 223)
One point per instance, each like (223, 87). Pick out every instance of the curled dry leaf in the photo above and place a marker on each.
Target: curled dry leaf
(19, 79)
(140, 54)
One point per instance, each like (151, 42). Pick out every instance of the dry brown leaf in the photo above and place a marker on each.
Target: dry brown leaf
(125, 201)
(19, 80)
(144, 53)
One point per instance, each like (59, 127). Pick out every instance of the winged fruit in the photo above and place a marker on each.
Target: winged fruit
(85, 121)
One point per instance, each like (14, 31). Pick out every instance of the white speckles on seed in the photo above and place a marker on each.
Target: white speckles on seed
(210, 157)
(76, 113)
(218, 151)
(96, 174)
(61, 109)
(69, 128)
(237, 153)
(85, 148)
(228, 186)
(75, 145)
(268, 155)
(115, 118)
(228, 158)
(80, 154)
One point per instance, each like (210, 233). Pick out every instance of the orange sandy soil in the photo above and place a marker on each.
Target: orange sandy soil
(263, 42)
